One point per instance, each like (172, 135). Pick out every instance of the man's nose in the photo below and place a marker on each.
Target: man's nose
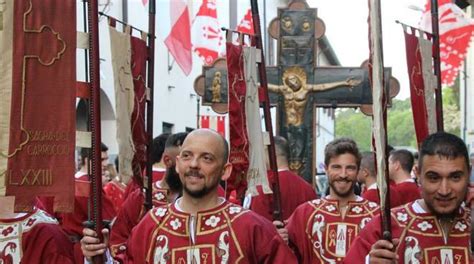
(444, 188)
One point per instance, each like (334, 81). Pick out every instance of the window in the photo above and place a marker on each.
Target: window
(167, 128)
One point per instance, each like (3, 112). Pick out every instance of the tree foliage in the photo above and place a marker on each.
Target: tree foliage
(401, 131)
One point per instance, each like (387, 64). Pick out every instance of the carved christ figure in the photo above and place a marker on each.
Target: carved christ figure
(295, 91)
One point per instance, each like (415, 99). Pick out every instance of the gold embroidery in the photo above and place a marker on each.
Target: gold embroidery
(33, 177)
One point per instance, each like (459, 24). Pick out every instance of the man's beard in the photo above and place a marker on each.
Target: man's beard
(172, 179)
(341, 194)
(202, 192)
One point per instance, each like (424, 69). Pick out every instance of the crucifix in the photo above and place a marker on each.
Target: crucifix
(297, 85)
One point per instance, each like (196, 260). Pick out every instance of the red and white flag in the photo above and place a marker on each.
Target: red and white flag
(246, 24)
(455, 30)
(179, 39)
(207, 37)
(216, 123)
(422, 81)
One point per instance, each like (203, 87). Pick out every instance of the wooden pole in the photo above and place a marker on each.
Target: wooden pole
(277, 215)
(437, 65)
(150, 103)
(96, 160)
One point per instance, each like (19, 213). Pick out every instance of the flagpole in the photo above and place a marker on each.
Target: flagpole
(150, 102)
(437, 65)
(277, 215)
(379, 104)
(96, 173)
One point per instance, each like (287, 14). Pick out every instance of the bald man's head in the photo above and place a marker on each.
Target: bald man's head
(222, 145)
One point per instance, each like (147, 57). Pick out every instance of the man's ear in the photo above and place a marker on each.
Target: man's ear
(167, 160)
(417, 171)
(226, 171)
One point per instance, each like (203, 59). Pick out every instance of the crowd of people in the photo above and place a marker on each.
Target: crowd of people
(194, 221)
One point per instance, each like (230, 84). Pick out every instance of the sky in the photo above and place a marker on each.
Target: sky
(347, 31)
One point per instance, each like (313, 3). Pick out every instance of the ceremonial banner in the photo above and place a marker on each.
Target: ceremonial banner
(38, 95)
(179, 39)
(239, 144)
(422, 82)
(139, 57)
(246, 24)
(257, 171)
(120, 45)
(216, 123)
(207, 37)
(455, 33)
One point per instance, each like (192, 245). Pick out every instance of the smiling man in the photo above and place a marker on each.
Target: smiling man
(200, 227)
(322, 230)
(435, 228)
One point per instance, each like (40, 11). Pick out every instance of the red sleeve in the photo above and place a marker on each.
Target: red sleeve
(297, 233)
(128, 217)
(115, 194)
(47, 243)
(267, 245)
(371, 195)
(262, 204)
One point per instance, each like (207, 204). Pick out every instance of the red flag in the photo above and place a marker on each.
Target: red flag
(455, 32)
(144, 2)
(246, 24)
(179, 39)
(422, 82)
(37, 128)
(207, 37)
(239, 143)
(216, 123)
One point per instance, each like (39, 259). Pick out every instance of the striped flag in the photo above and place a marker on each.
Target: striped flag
(216, 123)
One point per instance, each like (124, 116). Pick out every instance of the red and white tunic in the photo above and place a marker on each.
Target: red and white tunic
(320, 234)
(225, 234)
(34, 238)
(422, 240)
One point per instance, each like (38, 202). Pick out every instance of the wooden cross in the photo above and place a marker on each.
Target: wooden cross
(297, 85)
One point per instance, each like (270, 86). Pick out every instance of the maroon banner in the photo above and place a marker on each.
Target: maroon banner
(417, 86)
(239, 144)
(139, 57)
(42, 121)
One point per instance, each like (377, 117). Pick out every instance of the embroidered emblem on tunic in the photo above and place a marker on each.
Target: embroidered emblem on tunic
(460, 226)
(160, 211)
(364, 222)
(330, 208)
(213, 221)
(412, 250)
(317, 201)
(356, 209)
(372, 205)
(402, 217)
(424, 226)
(161, 250)
(159, 196)
(175, 224)
(234, 210)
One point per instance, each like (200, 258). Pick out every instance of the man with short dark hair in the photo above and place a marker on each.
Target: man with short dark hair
(72, 223)
(400, 164)
(164, 191)
(322, 230)
(434, 229)
(293, 189)
(200, 227)
(368, 177)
